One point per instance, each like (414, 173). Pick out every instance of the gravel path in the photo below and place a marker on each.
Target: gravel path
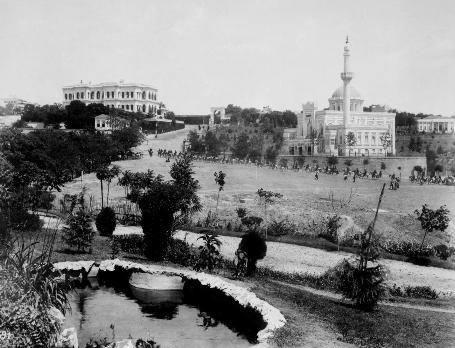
(295, 258)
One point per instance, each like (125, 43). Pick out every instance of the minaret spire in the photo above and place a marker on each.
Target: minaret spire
(346, 76)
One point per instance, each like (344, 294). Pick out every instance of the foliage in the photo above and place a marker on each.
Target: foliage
(443, 251)
(255, 248)
(209, 253)
(241, 212)
(383, 166)
(332, 225)
(78, 232)
(409, 249)
(348, 162)
(351, 139)
(431, 220)
(271, 154)
(31, 296)
(281, 228)
(240, 148)
(129, 243)
(196, 144)
(332, 161)
(366, 161)
(164, 204)
(386, 141)
(251, 222)
(180, 252)
(219, 180)
(106, 221)
(414, 292)
(438, 168)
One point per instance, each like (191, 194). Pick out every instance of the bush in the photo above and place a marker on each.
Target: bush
(79, 233)
(180, 252)
(251, 222)
(414, 291)
(443, 251)
(105, 221)
(241, 212)
(129, 243)
(255, 247)
(209, 253)
(281, 228)
(409, 249)
(31, 296)
(331, 232)
(362, 285)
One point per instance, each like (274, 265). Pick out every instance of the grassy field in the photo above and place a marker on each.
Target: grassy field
(304, 199)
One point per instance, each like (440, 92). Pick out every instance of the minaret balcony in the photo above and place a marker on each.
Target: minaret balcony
(347, 76)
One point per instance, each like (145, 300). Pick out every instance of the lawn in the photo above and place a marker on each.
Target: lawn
(304, 199)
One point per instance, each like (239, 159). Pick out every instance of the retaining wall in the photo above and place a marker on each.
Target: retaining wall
(391, 163)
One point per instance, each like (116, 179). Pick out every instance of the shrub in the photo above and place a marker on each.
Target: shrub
(281, 228)
(409, 249)
(180, 252)
(129, 243)
(209, 253)
(79, 232)
(331, 232)
(255, 247)
(31, 296)
(414, 291)
(241, 212)
(251, 222)
(105, 221)
(443, 251)
(383, 166)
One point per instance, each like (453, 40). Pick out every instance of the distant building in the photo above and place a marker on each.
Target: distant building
(436, 124)
(106, 123)
(325, 131)
(14, 105)
(126, 96)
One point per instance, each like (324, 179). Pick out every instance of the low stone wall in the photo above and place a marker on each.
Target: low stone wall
(391, 163)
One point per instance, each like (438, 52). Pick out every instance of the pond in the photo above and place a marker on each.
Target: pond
(169, 317)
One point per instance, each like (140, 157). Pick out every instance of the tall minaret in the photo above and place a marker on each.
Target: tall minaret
(346, 76)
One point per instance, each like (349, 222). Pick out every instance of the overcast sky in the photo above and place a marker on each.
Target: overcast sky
(250, 53)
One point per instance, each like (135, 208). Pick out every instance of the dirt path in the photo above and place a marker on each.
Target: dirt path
(295, 258)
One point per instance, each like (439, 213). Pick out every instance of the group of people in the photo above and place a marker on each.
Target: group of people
(435, 179)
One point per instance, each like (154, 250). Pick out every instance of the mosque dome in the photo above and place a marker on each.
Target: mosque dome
(338, 94)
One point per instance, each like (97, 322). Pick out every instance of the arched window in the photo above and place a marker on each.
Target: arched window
(150, 108)
(143, 107)
(132, 107)
(92, 95)
(66, 96)
(98, 95)
(69, 96)
(143, 95)
(127, 107)
(77, 95)
(127, 94)
(123, 95)
(132, 94)
(112, 105)
(150, 97)
(82, 95)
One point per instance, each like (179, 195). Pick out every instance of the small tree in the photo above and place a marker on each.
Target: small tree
(350, 141)
(267, 197)
(348, 163)
(383, 166)
(79, 232)
(399, 169)
(366, 161)
(209, 253)
(219, 180)
(102, 174)
(255, 248)
(386, 141)
(438, 168)
(105, 221)
(431, 220)
(332, 161)
(111, 173)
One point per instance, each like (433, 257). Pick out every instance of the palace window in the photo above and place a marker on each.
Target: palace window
(82, 95)
(123, 95)
(98, 95)
(66, 96)
(127, 107)
(143, 95)
(77, 95)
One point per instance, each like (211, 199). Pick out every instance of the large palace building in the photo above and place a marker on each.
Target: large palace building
(340, 130)
(127, 96)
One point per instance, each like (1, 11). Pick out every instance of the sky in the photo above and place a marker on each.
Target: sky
(199, 54)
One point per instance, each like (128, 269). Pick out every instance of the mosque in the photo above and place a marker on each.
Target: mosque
(343, 131)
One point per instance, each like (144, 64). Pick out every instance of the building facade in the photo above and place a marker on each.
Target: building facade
(126, 96)
(344, 131)
(436, 124)
(106, 123)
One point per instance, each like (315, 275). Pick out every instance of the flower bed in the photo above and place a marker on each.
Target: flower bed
(271, 316)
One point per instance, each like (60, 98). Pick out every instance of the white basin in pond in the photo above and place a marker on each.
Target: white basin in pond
(156, 288)
(150, 281)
